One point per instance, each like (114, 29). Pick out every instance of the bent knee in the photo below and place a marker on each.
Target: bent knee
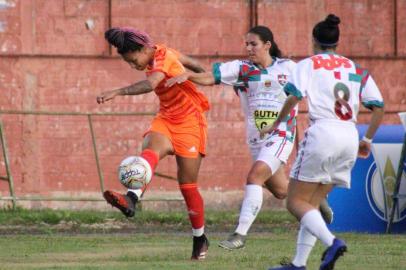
(255, 179)
(280, 194)
(279, 191)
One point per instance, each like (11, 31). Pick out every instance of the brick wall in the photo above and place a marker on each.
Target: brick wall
(53, 58)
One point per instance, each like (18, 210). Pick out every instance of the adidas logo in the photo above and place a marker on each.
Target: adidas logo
(192, 149)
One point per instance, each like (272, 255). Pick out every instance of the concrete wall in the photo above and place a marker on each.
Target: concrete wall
(53, 58)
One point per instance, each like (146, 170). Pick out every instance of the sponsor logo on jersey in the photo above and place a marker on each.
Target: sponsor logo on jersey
(264, 118)
(331, 63)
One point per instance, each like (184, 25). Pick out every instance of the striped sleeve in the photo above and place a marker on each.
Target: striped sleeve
(227, 72)
(370, 94)
(299, 79)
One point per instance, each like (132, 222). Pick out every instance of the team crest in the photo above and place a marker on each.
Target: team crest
(282, 79)
(268, 83)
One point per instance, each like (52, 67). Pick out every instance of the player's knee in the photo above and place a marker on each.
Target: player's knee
(280, 194)
(256, 177)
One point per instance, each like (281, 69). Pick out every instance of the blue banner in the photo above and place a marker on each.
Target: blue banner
(367, 205)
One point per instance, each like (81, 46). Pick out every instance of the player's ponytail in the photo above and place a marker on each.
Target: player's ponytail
(327, 33)
(127, 39)
(265, 34)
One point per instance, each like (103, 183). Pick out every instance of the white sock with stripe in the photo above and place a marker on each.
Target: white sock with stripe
(250, 207)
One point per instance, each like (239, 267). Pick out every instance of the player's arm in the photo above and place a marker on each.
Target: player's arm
(365, 143)
(376, 119)
(137, 88)
(288, 106)
(227, 73)
(205, 78)
(372, 99)
(191, 63)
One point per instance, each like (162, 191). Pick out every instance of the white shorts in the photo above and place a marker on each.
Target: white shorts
(273, 151)
(327, 153)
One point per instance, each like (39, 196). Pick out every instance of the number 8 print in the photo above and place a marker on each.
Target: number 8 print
(341, 106)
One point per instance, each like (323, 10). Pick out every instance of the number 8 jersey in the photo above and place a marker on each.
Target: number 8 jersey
(335, 86)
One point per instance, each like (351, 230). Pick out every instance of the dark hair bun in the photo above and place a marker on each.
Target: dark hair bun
(115, 37)
(332, 20)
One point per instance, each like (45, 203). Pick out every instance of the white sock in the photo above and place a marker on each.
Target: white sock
(305, 244)
(250, 207)
(315, 224)
(137, 192)
(198, 232)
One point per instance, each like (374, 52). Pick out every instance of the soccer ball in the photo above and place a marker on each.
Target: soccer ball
(134, 172)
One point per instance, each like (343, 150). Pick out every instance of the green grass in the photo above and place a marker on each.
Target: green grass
(172, 251)
(33, 239)
(49, 216)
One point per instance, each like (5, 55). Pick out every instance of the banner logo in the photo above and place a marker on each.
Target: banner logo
(381, 181)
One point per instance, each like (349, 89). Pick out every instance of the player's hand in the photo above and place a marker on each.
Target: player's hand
(177, 80)
(268, 129)
(364, 149)
(106, 96)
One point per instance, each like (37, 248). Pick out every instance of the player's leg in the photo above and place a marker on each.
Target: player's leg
(338, 246)
(277, 184)
(303, 201)
(341, 176)
(268, 159)
(252, 202)
(189, 142)
(155, 147)
(188, 169)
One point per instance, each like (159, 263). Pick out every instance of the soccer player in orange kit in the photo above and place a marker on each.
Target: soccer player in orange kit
(179, 129)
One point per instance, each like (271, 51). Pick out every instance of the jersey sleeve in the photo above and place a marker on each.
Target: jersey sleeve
(227, 72)
(166, 61)
(370, 94)
(298, 80)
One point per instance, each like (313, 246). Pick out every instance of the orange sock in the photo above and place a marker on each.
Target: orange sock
(151, 157)
(194, 203)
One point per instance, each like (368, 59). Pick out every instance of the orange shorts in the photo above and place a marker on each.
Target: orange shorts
(188, 137)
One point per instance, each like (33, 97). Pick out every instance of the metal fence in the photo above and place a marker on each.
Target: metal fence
(9, 178)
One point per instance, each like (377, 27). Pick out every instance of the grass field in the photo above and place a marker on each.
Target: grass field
(97, 240)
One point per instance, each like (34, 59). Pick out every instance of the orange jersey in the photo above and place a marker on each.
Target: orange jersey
(180, 100)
